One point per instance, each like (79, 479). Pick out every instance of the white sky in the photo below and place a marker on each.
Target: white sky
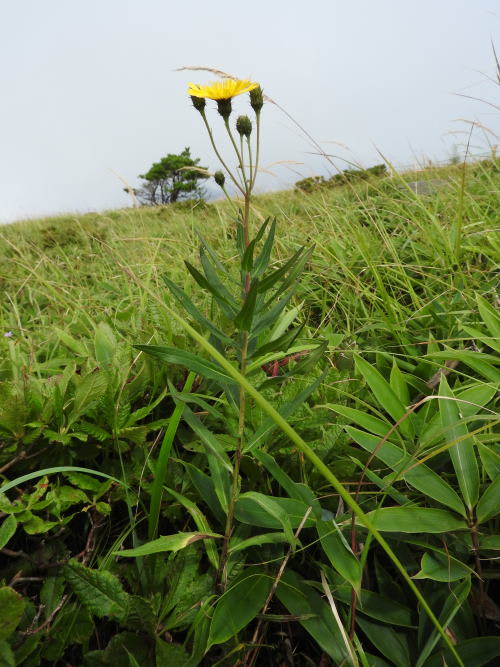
(89, 87)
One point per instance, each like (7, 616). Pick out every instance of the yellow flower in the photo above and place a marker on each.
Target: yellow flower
(222, 90)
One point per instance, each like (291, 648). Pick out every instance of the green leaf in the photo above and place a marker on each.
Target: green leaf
(438, 567)
(489, 459)
(166, 543)
(491, 319)
(392, 644)
(461, 453)
(248, 511)
(244, 318)
(7, 658)
(223, 298)
(303, 601)
(201, 523)
(384, 394)
(192, 310)
(211, 443)
(247, 259)
(189, 360)
(256, 541)
(269, 426)
(281, 344)
(489, 542)
(239, 605)
(415, 520)
(339, 552)
(475, 652)
(421, 477)
(7, 530)
(173, 655)
(88, 393)
(376, 606)
(399, 385)
(489, 503)
(270, 280)
(11, 611)
(262, 261)
(104, 344)
(74, 345)
(363, 419)
(458, 595)
(98, 590)
(273, 508)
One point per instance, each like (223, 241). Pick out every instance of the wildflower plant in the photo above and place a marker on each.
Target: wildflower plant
(255, 346)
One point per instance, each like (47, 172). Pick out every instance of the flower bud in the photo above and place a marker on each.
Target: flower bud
(224, 108)
(256, 99)
(219, 178)
(198, 103)
(244, 126)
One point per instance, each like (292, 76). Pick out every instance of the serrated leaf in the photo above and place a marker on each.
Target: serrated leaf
(88, 392)
(99, 591)
(104, 344)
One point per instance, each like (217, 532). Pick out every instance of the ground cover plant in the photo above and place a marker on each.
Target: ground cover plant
(282, 451)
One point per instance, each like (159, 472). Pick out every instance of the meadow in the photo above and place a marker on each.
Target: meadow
(358, 525)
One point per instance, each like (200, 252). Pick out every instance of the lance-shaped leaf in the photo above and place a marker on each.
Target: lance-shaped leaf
(270, 280)
(98, 590)
(292, 512)
(227, 303)
(421, 477)
(166, 543)
(213, 278)
(489, 503)
(190, 308)
(212, 445)
(339, 553)
(384, 394)
(262, 261)
(244, 318)
(281, 344)
(191, 361)
(415, 520)
(201, 523)
(462, 453)
(273, 509)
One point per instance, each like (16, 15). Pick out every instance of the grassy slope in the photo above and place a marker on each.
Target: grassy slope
(384, 259)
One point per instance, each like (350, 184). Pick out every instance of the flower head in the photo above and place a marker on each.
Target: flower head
(222, 90)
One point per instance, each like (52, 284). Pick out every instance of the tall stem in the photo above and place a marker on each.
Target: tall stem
(222, 574)
(257, 149)
(239, 156)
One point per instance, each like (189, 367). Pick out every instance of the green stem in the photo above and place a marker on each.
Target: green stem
(239, 155)
(162, 461)
(250, 168)
(257, 149)
(209, 130)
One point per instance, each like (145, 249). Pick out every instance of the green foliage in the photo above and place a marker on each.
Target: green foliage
(376, 349)
(170, 180)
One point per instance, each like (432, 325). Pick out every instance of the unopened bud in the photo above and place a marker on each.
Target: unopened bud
(244, 126)
(256, 99)
(219, 178)
(198, 103)
(224, 108)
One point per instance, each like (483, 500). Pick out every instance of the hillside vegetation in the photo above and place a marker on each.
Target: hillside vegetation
(400, 293)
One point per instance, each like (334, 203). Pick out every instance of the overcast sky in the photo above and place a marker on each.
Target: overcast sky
(90, 91)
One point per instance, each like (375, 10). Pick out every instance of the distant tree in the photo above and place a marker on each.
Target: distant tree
(168, 180)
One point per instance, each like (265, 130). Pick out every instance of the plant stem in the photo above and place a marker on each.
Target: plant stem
(209, 130)
(257, 149)
(239, 156)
